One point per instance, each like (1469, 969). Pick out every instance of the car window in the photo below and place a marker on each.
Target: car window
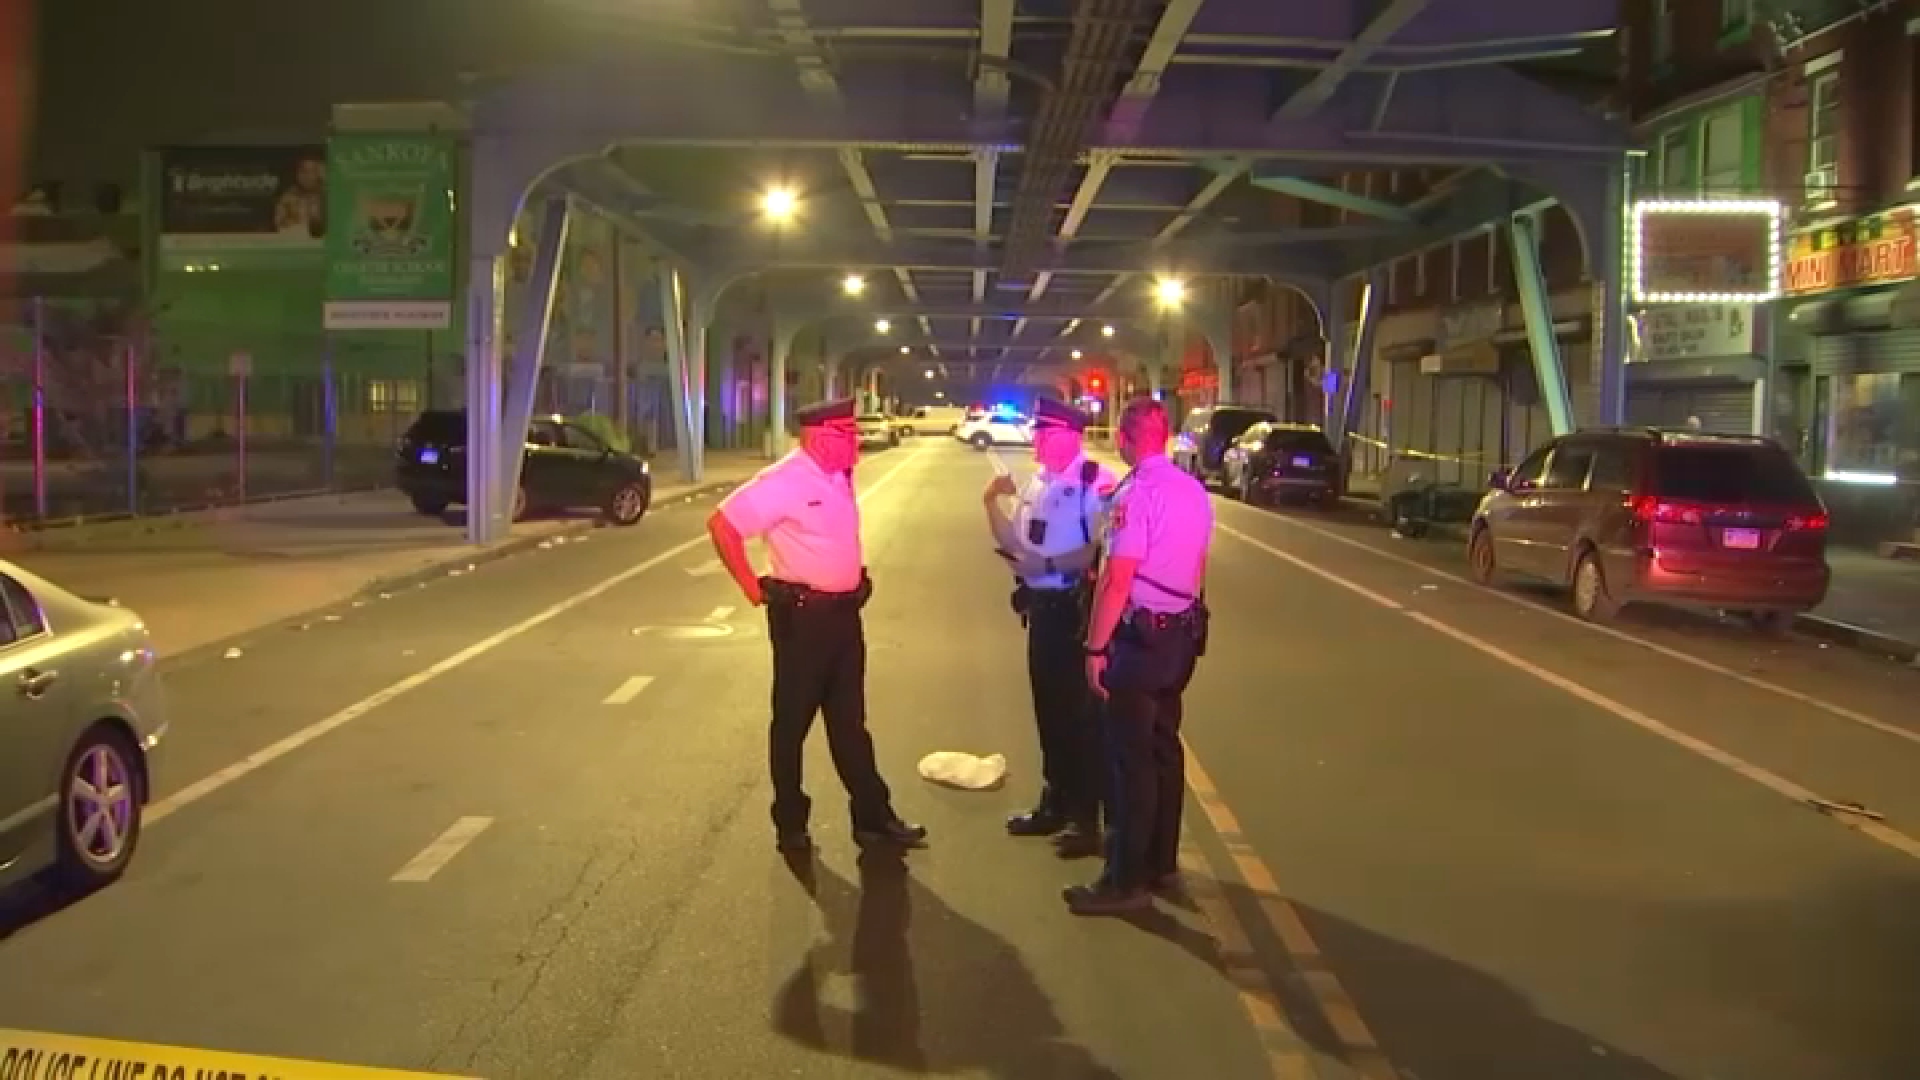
(576, 438)
(1292, 441)
(1230, 423)
(1612, 467)
(440, 426)
(1567, 471)
(24, 617)
(1730, 474)
(543, 433)
(1532, 471)
(1196, 421)
(920, 413)
(1253, 435)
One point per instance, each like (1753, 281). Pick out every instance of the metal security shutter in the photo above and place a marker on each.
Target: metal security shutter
(1720, 406)
(1891, 350)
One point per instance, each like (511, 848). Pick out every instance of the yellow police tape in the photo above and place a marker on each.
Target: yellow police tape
(29, 1055)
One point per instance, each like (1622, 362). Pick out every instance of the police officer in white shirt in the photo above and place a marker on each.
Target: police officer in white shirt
(1052, 542)
(803, 507)
(1145, 636)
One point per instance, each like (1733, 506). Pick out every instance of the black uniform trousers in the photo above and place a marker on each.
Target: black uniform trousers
(820, 667)
(1151, 662)
(1064, 706)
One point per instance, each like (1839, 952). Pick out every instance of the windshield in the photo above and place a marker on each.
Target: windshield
(1230, 423)
(1298, 442)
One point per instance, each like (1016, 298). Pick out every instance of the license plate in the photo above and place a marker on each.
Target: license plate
(1303, 463)
(1740, 539)
(429, 457)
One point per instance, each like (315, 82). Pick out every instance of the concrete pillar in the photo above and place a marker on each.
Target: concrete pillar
(1537, 307)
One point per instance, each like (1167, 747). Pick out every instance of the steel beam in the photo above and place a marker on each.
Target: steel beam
(533, 325)
(486, 305)
(688, 397)
(1359, 371)
(1331, 196)
(745, 256)
(1537, 307)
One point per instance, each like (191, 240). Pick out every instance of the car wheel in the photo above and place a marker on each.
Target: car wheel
(1244, 490)
(982, 441)
(628, 503)
(1772, 623)
(1592, 600)
(429, 505)
(1481, 562)
(519, 503)
(907, 431)
(102, 797)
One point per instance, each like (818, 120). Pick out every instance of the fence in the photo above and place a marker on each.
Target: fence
(107, 424)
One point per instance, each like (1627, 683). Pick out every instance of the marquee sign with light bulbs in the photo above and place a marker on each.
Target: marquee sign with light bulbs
(1705, 251)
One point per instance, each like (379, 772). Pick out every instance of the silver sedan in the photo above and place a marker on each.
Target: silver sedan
(81, 716)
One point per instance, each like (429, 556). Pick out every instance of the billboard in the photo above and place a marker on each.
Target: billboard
(214, 197)
(1705, 251)
(390, 253)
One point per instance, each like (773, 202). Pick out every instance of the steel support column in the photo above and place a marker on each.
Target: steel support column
(1359, 370)
(723, 399)
(486, 303)
(1608, 269)
(785, 328)
(1216, 329)
(1537, 307)
(683, 346)
(532, 325)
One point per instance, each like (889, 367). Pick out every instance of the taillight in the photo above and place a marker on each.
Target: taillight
(1652, 510)
(1807, 523)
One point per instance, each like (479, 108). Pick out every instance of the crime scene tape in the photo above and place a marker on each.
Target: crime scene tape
(32, 1055)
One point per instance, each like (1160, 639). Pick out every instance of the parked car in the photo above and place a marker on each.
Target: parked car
(79, 733)
(1283, 462)
(1621, 515)
(876, 429)
(985, 429)
(1203, 439)
(931, 420)
(566, 467)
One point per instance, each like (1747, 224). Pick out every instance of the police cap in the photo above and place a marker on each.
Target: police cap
(821, 413)
(1050, 413)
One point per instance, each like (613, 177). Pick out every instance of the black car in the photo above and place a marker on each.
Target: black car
(1283, 462)
(1203, 440)
(566, 467)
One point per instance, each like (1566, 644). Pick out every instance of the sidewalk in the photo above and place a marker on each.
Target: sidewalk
(1873, 603)
(203, 579)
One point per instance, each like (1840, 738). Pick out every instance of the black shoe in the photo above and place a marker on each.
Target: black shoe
(1039, 821)
(1103, 899)
(1167, 884)
(793, 841)
(1078, 841)
(896, 833)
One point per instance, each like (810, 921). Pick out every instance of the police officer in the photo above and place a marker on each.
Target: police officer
(1052, 542)
(803, 507)
(1147, 630)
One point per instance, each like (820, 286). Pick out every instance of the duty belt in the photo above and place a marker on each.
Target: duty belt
(1162, 620)
(794, 594)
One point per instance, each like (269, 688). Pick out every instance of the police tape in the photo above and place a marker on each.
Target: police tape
(31, 1055)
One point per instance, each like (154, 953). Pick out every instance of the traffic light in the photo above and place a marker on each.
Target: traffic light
(1096, 383)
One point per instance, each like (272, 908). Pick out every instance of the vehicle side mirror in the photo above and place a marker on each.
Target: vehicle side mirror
(1500, 479)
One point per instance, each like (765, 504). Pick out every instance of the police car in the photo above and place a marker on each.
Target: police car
(987, 428)
(876, 429)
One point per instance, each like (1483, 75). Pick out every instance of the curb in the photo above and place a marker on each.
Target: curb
(1858, 637)
(1903, 552)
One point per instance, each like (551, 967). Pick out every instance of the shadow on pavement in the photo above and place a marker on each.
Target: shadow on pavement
(28, 903)
(977, 1007)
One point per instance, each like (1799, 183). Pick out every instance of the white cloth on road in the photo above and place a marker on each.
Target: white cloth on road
(951, 768)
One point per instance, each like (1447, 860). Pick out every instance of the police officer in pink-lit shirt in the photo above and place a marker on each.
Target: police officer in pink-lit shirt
(1147, 632)
(803, 507)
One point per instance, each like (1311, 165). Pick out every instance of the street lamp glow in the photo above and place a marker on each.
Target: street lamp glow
(1107, 330)
(940, 395)
(882, 326)
(1170, 292)
(853, 285)
(929, 373)
(1076, 354)
(905, 349)
(778, 204)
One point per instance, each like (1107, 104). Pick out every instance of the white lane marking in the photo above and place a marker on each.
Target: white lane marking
(1800, 696)
(711, 566)
(627, 691)
(266, 755)
(437, 855)
(1766, 778)
(720, 614)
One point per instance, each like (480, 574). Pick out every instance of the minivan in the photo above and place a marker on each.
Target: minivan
(1626, 514)
(1202, 441)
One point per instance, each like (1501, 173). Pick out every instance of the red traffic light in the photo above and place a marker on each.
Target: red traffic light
(1096, 383)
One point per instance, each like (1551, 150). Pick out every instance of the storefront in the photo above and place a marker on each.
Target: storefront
(1698, 365)
(1852, 367)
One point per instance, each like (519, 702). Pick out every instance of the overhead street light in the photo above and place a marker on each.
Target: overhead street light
(1107, 330)
(853, 285)
(929, 373)
(1170, 292)
(1076, 354)
(779, 204)
(882, 326)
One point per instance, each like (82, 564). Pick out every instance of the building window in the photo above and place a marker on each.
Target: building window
(1823, 137)
(1873, 425)
(1677, 170)
(1723, 151)
(1662, 35)
(393, 396)
(1735, 16)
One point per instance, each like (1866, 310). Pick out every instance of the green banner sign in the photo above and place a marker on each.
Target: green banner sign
(390, 201)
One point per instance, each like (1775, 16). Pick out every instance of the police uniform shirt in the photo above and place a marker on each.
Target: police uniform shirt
(1073, 516)
(808, 518)
(1162, 517)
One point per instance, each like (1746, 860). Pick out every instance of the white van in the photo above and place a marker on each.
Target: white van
(931, 420)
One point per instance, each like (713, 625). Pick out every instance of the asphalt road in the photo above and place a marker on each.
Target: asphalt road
(1437, 832)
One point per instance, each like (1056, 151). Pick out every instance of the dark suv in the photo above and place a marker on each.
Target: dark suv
(1283, 462)
(1203, 440)
(566, 467)
(1725, 521)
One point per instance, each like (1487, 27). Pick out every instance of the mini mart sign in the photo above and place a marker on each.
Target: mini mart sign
(1874, 250)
